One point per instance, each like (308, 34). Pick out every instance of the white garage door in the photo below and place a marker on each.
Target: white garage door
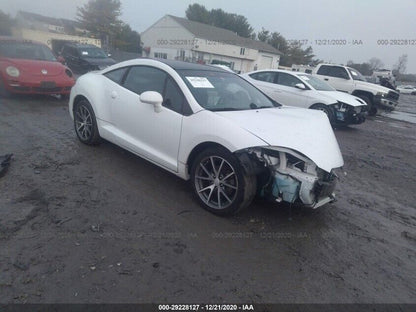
(266, 62)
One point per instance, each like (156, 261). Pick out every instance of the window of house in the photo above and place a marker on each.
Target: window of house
(242, 51)
(161, 55)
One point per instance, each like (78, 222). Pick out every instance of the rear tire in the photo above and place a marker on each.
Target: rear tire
(85, 123)
(220, 182)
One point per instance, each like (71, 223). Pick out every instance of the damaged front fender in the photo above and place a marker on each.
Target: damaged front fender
(288, 176)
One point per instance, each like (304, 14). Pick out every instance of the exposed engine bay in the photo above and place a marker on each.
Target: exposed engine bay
(285, 175)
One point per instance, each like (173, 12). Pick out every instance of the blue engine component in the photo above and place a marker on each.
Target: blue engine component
(285, 187)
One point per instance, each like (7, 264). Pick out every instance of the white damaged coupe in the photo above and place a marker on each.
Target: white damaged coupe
(210, 126)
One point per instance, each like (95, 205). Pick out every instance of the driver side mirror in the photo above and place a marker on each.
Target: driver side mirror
(300, 86)
(153, 98)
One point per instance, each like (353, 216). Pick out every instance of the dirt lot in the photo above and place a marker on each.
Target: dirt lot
(98, 224)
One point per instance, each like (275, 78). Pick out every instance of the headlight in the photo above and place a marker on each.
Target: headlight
(12, 71)
(382, 94)
(68, 73)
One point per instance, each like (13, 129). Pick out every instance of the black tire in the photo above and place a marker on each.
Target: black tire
(220, 182)
(85, 123)
(327, 110)
(371, 108)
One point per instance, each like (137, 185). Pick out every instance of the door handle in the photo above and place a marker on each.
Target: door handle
(326, 79)
(113, 94)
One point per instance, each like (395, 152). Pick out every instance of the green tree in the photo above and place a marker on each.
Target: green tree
(127, 39)
(6, 23)
(219, 18)
(263, 35)
(198, 13)
(101, 17)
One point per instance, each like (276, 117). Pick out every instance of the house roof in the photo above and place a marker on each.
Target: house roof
(213, 33)
(49, 20)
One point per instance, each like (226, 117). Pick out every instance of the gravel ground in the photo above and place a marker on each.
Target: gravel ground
(97, 224)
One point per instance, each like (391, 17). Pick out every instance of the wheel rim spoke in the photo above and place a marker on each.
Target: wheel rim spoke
(205, 169)
(219, 198)
(227, 177)
(83, 122)
(229, 185)
(225, 195)
(204, 178)
(214, 190)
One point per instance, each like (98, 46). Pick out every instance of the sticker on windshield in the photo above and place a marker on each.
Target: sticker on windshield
(354, 73)
(84, 53)
(200, 82)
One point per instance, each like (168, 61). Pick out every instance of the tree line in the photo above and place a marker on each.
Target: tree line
(293, 53)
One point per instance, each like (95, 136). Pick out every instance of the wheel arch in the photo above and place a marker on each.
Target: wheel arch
(198, 149)
(317, 104)
(357, 93)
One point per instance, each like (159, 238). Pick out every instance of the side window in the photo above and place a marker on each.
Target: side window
(323, 70)
(144, 78)
(173, 97)
(288, 80)
(338, 72)
(264, 76)
(116, 75)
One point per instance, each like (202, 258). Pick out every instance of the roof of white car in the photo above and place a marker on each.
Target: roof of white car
(176, 65)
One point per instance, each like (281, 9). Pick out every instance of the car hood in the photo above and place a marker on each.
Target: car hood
(305, 131)
(99, 61)
(344, 97)
(37, 67)
(372, 86)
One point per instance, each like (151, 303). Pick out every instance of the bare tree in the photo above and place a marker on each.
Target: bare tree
(400, 66)
(375, 63)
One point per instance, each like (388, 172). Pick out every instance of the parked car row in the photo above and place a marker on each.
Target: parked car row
(307, 91)
(229, 135)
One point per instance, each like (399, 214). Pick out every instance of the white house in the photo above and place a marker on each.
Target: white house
(177, 38)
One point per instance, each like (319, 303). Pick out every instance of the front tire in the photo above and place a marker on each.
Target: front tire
(327, 110)
(85, 123)
(220, 182)
(371, 108)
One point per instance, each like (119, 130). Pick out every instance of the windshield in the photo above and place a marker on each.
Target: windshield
(26, 50)
(92, 52)
(221, 91)
(316, 83)
(356, 75)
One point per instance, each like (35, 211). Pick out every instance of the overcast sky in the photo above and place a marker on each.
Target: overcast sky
(341, 22)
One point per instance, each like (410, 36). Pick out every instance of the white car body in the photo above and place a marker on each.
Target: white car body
(288, 92)
(167, 138)
(407, 89)
(347, 79)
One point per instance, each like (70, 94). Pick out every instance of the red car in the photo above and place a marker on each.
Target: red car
(28, 67)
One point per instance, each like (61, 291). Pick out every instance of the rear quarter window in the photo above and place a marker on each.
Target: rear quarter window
(116, 75)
